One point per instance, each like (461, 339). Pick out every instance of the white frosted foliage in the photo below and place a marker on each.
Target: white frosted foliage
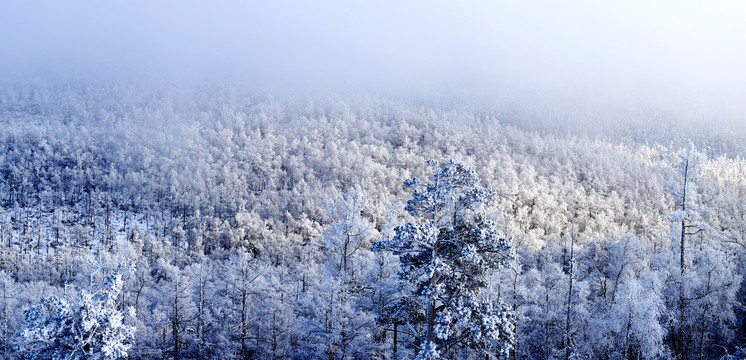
(91, 329)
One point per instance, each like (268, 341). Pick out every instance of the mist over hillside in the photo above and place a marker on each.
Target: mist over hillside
(388, 180)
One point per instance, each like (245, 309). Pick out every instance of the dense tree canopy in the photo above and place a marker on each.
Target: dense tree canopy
(250, 220)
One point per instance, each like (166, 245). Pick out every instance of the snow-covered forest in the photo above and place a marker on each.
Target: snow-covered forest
(389, 180)
(212, 222)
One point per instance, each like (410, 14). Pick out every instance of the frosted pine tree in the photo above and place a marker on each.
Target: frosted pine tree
(93, 328)
(446, 256)
(688, 217)
(348, 231)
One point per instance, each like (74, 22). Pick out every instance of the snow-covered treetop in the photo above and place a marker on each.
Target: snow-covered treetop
(453, 191)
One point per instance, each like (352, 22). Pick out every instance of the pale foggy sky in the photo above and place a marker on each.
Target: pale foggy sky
(678, 53)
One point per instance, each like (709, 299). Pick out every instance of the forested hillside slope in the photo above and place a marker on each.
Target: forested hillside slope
(240, 225)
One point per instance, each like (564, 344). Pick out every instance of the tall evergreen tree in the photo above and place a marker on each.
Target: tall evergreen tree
(446, 254)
